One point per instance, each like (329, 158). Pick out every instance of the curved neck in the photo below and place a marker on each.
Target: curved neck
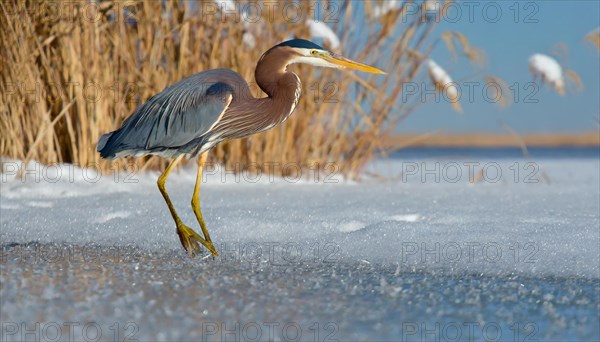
(256, 115)
(273, 78)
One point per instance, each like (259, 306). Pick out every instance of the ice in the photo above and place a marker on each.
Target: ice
(353, 260)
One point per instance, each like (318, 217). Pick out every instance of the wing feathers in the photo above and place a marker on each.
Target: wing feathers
(189, 114)
(176, 117)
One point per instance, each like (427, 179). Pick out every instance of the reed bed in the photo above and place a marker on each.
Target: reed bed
(71, 72)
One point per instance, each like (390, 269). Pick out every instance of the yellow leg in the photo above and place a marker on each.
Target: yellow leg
(196, 199)
(188, 237)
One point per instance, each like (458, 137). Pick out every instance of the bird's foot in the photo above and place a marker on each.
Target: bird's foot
(190, 239)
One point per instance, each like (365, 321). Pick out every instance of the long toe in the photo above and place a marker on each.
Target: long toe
(195, 247)
(191, 241)
(208, 244)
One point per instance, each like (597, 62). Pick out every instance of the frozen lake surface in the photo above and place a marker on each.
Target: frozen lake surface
(422, 255)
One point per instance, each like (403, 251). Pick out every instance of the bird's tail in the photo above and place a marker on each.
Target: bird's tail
(104, 147)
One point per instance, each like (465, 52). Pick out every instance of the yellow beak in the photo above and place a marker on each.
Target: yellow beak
(346, 63)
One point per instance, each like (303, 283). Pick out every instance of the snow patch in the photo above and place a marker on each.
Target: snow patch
(39, 204)
(7, 206)
(405, 218)
(111, 216)
(352, 226)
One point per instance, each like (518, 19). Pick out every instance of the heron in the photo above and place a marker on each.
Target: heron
(193, 115)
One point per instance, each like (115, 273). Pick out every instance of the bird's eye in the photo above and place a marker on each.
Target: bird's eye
(313, 52)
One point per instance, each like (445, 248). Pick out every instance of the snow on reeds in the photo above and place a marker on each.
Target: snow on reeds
(548, 69)
(320, 30)
(444, 84)
(386, 7)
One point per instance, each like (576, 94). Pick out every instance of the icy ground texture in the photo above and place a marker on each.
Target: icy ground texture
(404, 259)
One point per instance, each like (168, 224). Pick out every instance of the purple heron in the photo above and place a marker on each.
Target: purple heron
(193, 115)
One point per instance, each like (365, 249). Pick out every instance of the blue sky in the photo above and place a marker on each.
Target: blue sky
(541, 25)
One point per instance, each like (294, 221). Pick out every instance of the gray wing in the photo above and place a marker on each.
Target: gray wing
(179, 116)
(172, 118)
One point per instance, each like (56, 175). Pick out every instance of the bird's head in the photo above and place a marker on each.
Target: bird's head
(307, 52)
